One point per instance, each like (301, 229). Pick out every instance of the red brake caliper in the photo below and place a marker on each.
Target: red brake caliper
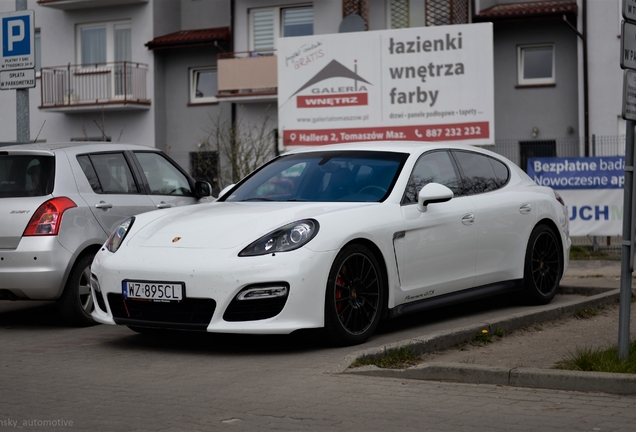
(339, 284)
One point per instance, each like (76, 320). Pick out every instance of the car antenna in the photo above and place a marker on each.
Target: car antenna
(38, 135)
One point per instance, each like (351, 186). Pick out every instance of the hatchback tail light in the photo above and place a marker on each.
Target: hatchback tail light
(48, 217)
(558, 198)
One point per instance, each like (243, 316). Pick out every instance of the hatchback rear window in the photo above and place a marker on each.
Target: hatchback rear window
(26, 175)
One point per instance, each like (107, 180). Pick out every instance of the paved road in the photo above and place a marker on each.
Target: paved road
(107, 378)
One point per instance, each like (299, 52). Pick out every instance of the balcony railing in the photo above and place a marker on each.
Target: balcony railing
(249, 75)
(120, 84)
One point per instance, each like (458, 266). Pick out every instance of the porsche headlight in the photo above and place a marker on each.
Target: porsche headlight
(117, 237)
(287, 238)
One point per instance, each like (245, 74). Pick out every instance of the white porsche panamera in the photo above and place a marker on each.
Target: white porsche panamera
(337, 237)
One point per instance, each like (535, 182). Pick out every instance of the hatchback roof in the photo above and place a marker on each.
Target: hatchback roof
(79, 145)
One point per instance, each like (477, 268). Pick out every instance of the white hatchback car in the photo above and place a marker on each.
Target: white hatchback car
(337, 237)
(60, 202)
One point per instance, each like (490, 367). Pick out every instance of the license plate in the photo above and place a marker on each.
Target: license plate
(155, 291)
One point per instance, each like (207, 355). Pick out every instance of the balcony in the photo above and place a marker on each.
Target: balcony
(85, 4)
(247, 76)
(103, 86)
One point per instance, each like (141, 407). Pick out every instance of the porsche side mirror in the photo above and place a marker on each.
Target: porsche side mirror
(433, 193)
(225, 190)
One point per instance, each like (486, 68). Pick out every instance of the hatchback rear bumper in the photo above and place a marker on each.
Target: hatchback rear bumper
(35, 269)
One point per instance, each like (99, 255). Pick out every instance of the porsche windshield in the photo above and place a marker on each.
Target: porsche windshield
(354, 176)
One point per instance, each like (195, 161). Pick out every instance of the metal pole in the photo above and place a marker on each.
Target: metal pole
(22, 99)
(594, 239)
(626, 265)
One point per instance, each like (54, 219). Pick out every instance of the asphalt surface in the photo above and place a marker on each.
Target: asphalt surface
(108, 378)
(586, 284)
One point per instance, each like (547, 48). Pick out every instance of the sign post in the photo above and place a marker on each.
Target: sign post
(628, 63)
(17, 61)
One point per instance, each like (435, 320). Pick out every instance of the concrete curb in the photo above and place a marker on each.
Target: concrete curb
(623, 384)
(521, 377)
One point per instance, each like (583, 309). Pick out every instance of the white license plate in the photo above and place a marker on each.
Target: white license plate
(156, 291)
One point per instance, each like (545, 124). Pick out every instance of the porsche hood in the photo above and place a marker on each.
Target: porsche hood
(224, 225)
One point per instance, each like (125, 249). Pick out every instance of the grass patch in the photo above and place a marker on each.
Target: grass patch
(599, 360)
(587, 253)
(588, 312)
(394, 358)
(499, 332)
(483, 337)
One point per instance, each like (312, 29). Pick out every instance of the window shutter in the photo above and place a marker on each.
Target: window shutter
(263, 25)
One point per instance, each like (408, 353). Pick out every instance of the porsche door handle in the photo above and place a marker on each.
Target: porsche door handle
(103, 205)
(525, 208)
(163, 205)
(468, 219)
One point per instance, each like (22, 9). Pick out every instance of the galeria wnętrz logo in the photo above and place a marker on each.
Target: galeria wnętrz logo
(328, 97)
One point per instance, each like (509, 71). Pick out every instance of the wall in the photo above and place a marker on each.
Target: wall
(604, 73)
(186, 125)
(551, 109)
(199, 14)
(58, 48)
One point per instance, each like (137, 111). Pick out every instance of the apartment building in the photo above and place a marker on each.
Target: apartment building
(164, 72)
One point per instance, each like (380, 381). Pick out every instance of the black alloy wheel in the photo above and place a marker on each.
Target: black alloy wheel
(543, 267)
(354, 298)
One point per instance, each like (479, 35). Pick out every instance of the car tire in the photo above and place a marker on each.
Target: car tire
(76, 302)
(543, 266)
(354, 296)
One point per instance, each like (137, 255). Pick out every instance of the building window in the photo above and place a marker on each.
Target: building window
(203, 85)
(446, 12)
(269, 24)
(104, 43)
(536, 65)
(360, 8)
(204, 167)
(399, 14)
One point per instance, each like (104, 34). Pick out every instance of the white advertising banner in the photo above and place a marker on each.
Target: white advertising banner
(594, 212)
(417, 84)
(592, 188)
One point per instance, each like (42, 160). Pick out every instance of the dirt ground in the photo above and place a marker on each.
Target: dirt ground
(544, 345)
(541, 346)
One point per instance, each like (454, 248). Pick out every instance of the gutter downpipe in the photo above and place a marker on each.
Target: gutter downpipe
(582, 36)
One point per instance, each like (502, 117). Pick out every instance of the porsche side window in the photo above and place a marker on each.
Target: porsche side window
(501, 171)
(433, 167)
(478, 173)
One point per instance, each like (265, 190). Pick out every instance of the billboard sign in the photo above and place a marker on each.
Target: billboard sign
(419, 84)
(591, 187)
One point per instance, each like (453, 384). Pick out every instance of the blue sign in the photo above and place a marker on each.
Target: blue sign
(16, 40)
(604, 172)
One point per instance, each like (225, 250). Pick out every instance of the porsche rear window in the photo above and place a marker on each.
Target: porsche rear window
(26, 175)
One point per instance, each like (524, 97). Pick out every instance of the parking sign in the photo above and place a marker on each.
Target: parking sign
(16, 40)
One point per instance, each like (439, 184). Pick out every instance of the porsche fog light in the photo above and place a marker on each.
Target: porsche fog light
(287, 238)
(262, 292)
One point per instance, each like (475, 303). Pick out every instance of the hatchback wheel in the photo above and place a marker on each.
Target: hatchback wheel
(543, 266)
(354, 298)
(76, 302)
